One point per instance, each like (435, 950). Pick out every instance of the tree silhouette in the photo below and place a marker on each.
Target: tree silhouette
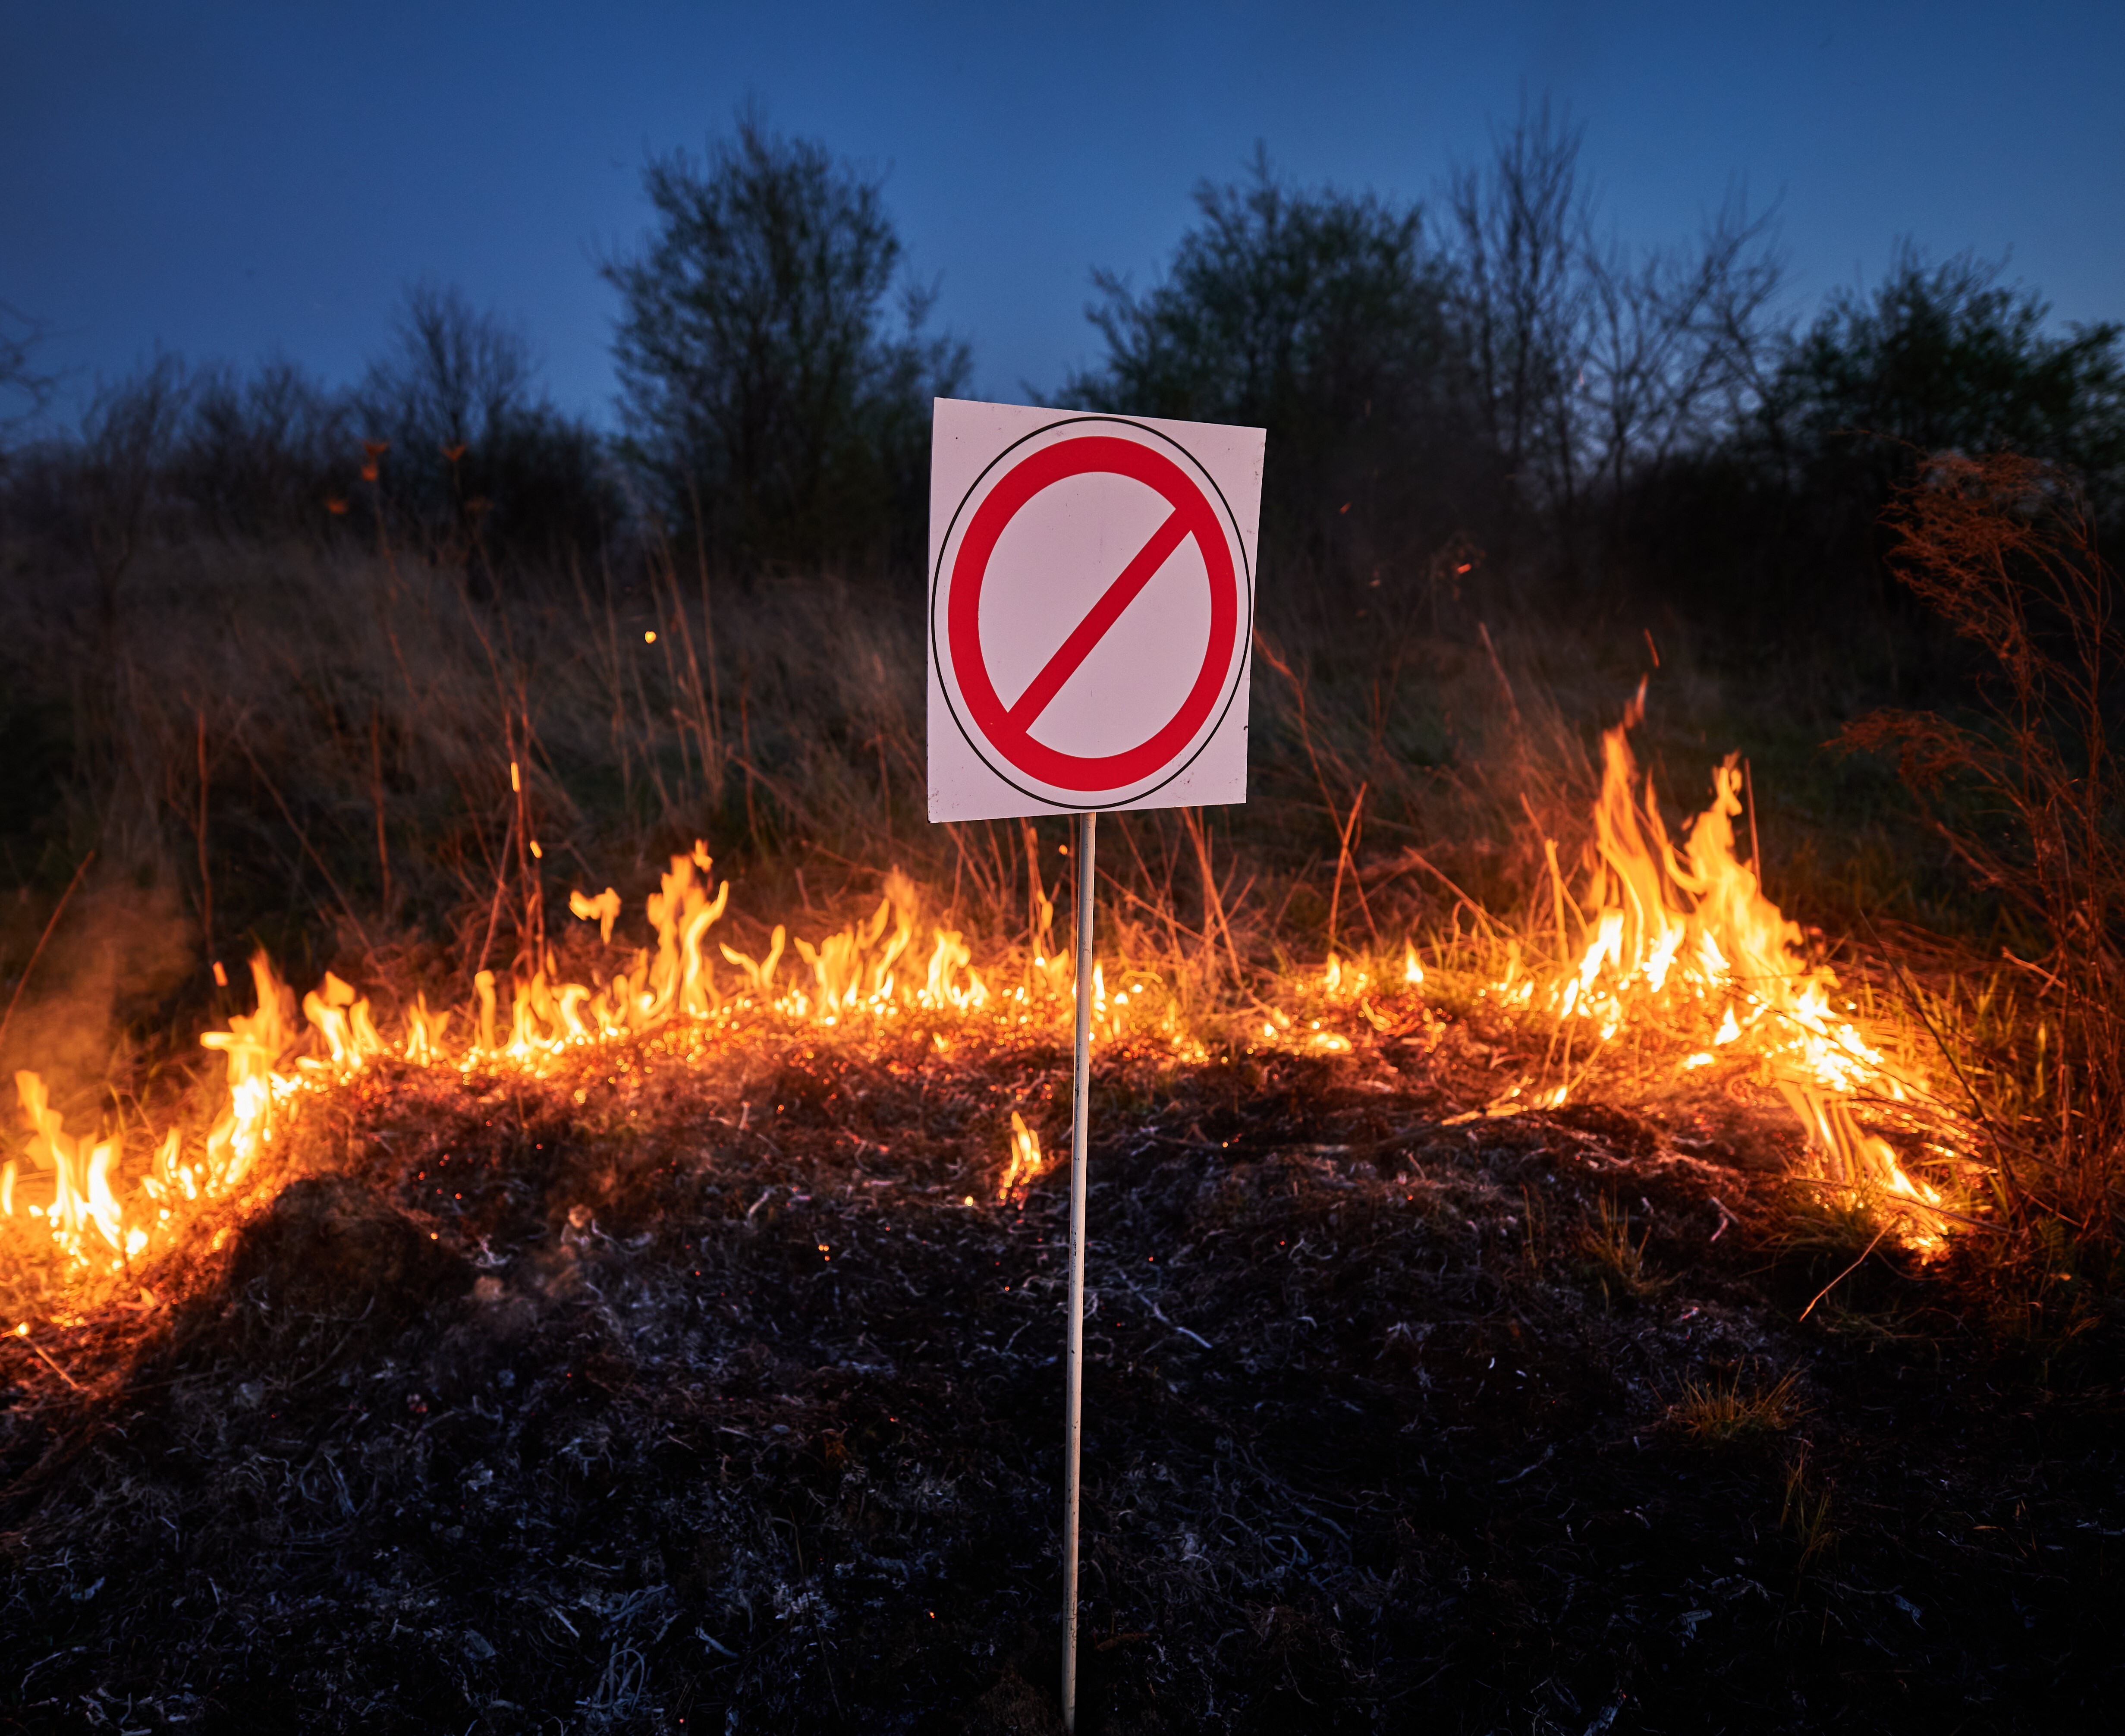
(761, 378)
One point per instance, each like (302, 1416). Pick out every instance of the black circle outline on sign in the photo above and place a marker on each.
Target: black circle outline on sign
(1246, 637)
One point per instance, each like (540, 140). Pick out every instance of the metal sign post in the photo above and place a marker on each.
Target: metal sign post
(1074, 1377)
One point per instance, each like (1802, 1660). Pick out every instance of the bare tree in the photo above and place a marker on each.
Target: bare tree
(1519, 235)
(1679, 344)
(472, 460)
(455, 377)
(126, 440)
(1594, 364)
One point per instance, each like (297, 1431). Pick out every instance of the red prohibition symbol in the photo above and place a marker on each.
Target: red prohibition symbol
(1008, 729)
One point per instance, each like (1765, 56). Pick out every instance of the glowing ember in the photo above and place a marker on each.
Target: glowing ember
(1026, 1161)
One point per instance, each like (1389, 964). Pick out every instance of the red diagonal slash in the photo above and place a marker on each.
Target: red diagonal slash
(1040, 692)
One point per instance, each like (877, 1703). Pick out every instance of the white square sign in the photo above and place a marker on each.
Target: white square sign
(1090, 610)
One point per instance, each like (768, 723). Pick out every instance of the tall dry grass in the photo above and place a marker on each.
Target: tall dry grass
(312, 750)
(2022, 787)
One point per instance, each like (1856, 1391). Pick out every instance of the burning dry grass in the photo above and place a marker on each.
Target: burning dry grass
(428, 752)
(1676, 953)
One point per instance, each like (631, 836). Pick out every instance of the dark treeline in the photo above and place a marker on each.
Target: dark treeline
(1494, 386)
(1489, 384)
(445, 442)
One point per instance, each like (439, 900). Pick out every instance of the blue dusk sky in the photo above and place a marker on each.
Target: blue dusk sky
(237, 180)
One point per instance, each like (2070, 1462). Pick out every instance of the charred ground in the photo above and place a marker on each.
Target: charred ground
(690, 1393)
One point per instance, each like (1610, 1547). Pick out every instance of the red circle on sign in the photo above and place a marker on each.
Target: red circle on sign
(1193, 517)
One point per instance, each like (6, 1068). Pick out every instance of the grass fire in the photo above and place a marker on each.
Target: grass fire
(537, 1190)
(1656, 932)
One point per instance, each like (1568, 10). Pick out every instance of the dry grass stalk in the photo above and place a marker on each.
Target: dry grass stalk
(1719, 1414)
(1611, 1259)
(1805, 1512)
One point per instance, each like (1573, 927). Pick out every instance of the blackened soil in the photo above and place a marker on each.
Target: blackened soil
(693, 1394)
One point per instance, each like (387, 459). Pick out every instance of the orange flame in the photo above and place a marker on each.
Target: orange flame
(1685, 938)
(1026, 1160)
(273, 1062)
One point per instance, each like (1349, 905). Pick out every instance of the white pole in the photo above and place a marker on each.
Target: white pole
(1074, 1362)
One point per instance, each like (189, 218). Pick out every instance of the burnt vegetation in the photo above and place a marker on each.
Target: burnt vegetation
(709, 1383)
(713, 1397)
